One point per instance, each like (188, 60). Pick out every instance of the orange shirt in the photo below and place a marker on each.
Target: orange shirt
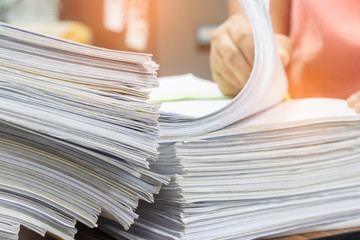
(325, 60)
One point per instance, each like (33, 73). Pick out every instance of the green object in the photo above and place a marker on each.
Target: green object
(185, 87)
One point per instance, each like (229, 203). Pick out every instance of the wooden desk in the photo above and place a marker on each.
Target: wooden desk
(86, 233)
(316, 235)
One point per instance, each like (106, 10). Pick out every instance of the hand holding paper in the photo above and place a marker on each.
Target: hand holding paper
(232, 53)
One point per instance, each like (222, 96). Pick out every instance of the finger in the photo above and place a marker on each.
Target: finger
(219, 66)
(233, 61)
(223, 76)
(354, 99)
(284, 46)
(240, 33)
(229, 67)
(226, 88)
(219, 47)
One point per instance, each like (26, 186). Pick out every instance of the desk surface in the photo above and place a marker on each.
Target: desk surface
(85, 233)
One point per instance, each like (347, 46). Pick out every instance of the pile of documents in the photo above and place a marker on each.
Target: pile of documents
(79, 139)
(77, 133)
(256, 167)
(294, 168)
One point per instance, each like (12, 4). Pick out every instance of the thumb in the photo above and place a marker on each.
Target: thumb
(284, 46)
(354, 101)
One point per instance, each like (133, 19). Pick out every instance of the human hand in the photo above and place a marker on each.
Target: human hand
(232, 53)
(354, 101)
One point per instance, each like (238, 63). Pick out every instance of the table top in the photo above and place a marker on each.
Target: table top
(85, 233)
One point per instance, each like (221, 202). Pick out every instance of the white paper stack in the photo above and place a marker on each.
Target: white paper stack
(270, 169)
(9, 229)
(76, 133)
(294, 172)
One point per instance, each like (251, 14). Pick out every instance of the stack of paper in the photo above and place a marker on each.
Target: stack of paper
(294, 168)
(76, 133)
(290, 168)
(9, 229)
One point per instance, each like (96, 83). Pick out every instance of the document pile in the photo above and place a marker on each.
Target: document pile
(76, 134)
(294, 168)
(257, 167)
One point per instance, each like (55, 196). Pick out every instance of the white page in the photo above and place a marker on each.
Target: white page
(266, 86)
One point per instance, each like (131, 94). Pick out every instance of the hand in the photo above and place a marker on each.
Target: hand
(232, 53)
(354, 101)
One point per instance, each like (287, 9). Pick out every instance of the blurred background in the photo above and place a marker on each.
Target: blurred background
(176, 32)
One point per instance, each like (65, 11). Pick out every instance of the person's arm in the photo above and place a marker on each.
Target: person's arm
(232, 46)
(279, 12)
(280, 16)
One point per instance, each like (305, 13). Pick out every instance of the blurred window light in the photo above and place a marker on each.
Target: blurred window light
(115, 15)
(137, 32)
(31, 10)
